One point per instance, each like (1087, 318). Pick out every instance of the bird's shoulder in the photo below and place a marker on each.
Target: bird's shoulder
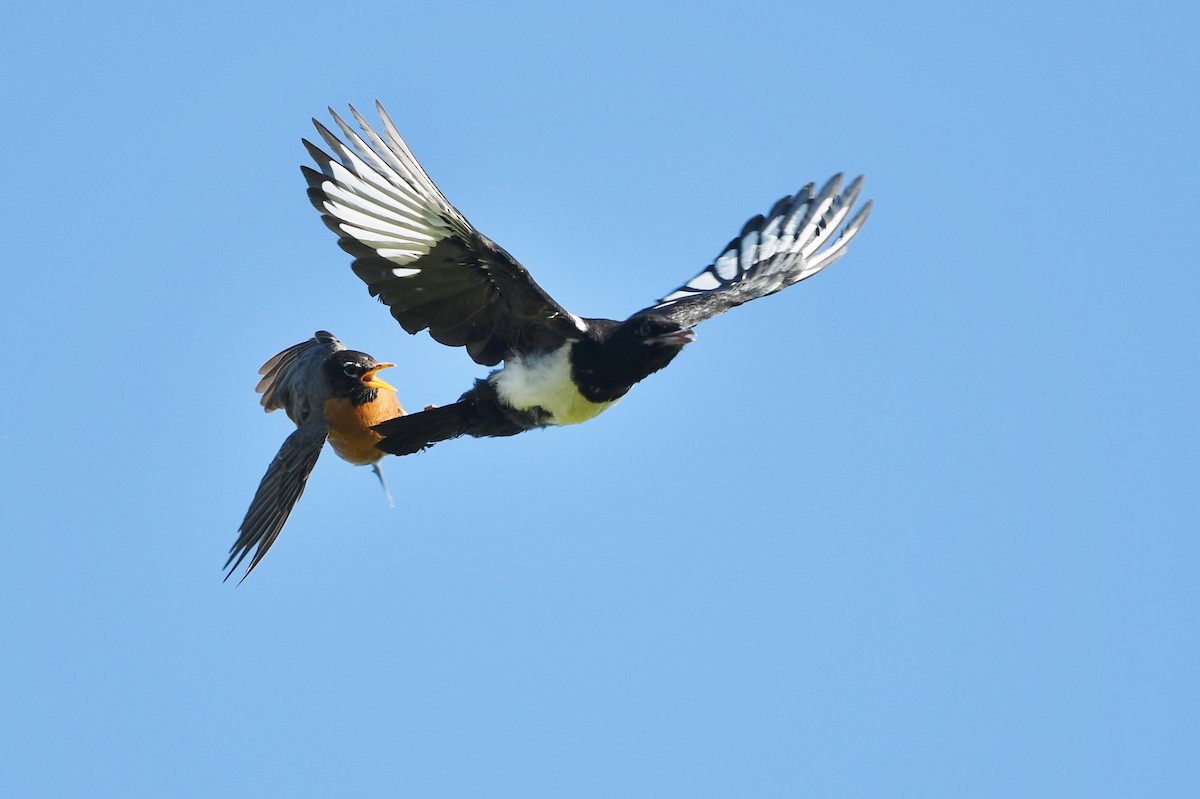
(294, 379)
(419, 255)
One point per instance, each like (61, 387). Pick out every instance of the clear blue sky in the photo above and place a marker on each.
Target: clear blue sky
(923, 526)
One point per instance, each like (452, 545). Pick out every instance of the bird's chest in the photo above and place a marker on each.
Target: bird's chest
(545, 381)
(350, 432)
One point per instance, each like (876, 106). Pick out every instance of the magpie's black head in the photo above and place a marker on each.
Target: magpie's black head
(652, 337)
(354, 375)
(632, 351)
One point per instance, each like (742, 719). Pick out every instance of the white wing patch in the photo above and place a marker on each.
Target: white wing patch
(705, 281)
(793, 242)
(726, 266)
(381, 197)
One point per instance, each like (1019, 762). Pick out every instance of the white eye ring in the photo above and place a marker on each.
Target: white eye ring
(350, 369)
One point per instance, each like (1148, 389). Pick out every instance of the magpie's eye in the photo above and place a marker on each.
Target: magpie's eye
(350, 370)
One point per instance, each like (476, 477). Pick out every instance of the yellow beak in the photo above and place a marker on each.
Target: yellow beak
(370, 380)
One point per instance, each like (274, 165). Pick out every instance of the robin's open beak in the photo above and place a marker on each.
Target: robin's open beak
(370, 380)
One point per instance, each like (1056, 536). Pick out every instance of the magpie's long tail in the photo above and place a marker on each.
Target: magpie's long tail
(405, 435)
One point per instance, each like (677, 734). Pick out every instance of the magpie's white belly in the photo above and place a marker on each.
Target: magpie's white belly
(544, 381)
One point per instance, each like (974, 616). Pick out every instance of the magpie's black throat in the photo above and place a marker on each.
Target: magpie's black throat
(618, 355)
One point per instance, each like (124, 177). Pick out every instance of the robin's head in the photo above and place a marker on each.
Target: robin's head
(355, 375)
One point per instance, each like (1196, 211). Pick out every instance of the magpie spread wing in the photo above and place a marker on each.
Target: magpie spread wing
(420, 256)
(288, 378)
(798, 238)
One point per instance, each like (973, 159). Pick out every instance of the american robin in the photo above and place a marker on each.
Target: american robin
(425, 261)
(332, 394)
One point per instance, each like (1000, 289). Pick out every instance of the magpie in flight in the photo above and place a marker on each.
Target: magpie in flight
(436, 272)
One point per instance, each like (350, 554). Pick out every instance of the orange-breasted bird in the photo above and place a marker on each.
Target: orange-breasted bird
(332, 394)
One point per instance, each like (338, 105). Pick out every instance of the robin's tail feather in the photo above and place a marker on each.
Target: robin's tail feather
(405, 435)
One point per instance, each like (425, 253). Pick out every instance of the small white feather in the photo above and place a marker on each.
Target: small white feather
(705, 281)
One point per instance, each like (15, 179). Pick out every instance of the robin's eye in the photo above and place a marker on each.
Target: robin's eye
(350, 370)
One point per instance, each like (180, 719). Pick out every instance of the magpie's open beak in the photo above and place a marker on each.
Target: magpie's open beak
(675, 339)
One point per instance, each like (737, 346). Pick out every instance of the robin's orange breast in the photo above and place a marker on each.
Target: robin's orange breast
(350, 426)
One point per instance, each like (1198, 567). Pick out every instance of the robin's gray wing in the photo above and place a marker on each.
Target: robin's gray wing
(797, 239)
(288, 377)
(420, 256)
(277, 493)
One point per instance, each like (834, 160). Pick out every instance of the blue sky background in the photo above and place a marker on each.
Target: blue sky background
(923, 526)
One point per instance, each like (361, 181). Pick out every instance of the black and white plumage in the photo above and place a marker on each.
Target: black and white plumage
(436, 272)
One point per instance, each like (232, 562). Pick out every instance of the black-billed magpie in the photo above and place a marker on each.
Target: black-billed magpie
(425, 261)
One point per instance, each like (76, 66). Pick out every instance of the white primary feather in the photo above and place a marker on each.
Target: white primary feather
(801, 239)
